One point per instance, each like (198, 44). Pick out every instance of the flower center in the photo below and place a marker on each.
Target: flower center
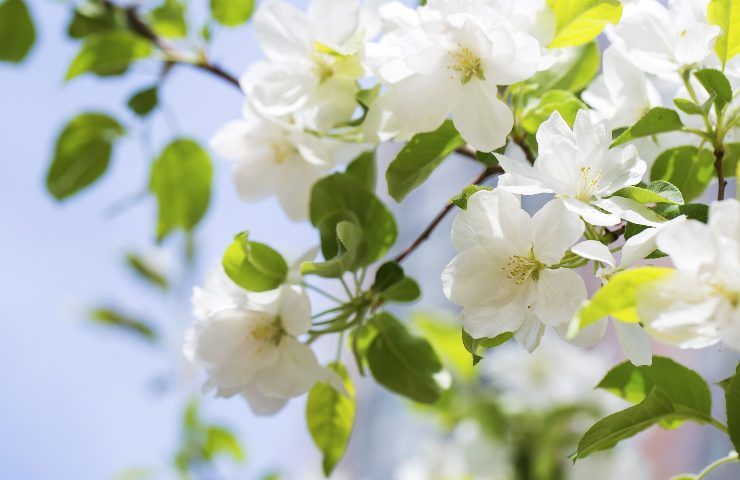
(467, 64)
(519, 268)
(282, 150)
(266, 330)
(732, 296)
(588, 184)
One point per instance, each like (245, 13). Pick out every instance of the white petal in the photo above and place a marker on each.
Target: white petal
(262, 404)
(482, 119)
(555, 230)
(230, 141)
(278, 88)
(422, 102)
(255, 180)
(491, 320)
(296, 370)
(520, 168)
(638, 247)
(513, 64)
(295, 311)
(635, 342)
(530, 333)
(480, 224)
(553, 133)
(294, 188)
(594, 250)
(520, 185)
(585, 338)
(695, 44)
(559, 294)
(689, 245)
(591, 214)
(475, 276)
(630, 210)
(282, 30)
(334, 21)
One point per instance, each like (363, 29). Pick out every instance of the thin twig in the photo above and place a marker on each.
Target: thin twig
(719, 155)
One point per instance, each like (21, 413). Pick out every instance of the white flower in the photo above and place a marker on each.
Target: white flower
(661, 40)
(622, 93)
(699, 304)
(275, 159)
(313, 61)
(247, 343)
(451, 64)
(578, 166)
(502, 275)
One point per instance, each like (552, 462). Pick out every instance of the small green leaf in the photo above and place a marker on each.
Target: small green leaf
(404, 291)
(418, 159)
(716, 84)
(726, 15)
(688, 168)
(656, 120)
(364, 170)
(617, 298)
(181, 182)
(144, 101)
(688, 106)
(351, 243)
(17, 32)
(461, 199)
(574, 70)
(168, 19)
(476, 345)
(109, 53)
(387, 275)
(221, 441)
(580, 21)
(658, 191)
(254, 266)
(82, 153)
(441, 331)
(145, 270)
(94, 17)
(330, 416)
(232, 13)
(366, 97)
(114, 318)
(403, 363)
(731, 159)
(562, 101)
(732, 404)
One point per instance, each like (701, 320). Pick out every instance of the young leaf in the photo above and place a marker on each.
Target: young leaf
(476, 345)
(656, 120)
(617, 298)
(82, 153)
(732, 404)
(418, 159)
(330, 416)
(562, 101)
(116, 319)
(403, 363)
(232, 13)
(144, 101)
(688, 168)
(688, 106)
(168, 19)
(181, 182)
(580, 21)
(461, 199)
(17, 32)
(145, 270)
(658, 191)
(725, 14)
(108, 53)
(717, 85)
(254, 266)
(573, 70)
(351, 243)
(364, 170)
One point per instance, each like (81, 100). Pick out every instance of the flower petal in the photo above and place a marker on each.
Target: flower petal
(482, 119)
(556, 229)
(559, 294)
(295, 310)
(635, 343)
(594, 250)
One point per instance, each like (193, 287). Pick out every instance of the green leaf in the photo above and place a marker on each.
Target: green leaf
(387, 275)
(17, 32)
(403, 363)
(688, 106)
(168, 19)
(221, 441)
(656, 120)
(658, 191)
(725, 14)
(573, 71)
(441, 331)
(254, 266)
(404, 291)
(732, 404)
(145, 270)
(144, 101)
(580, 21)
(82, 153)
(476, 345)
(687, 389)
(418, 159)
(609, 431)
(232, 13)
(731, 159)
(340, 197)
(351, 242)
(717, 85)
(330, 416)
(181, 182)
(116, 319)
(94, 17)
(108, 53)
(461, 199)
(562, 101)
(617, 298)
(688, 168)
(366, 97)
(364, 170)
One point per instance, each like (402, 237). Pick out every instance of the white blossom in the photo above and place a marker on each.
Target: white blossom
(502, 275)
(699, 304)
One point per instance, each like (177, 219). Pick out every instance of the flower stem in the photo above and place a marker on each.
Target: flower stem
(731, 457)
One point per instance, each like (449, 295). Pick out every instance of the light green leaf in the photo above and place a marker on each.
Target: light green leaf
(109, 53)
(232, 13)
(17, 32)
(220, 441)
(580, 21)
(144, 101)
(94, 17)
(418, 159)
(726, 15)
(732, 404)
(145, 270)
(617, 298)
(688, 168)
(340, 197)
(254, 266)
(330, 416)
(364, 170)
(574, 70)
(181, 182)
(688, 106)
(461, 199)
(82, 153)
(116, 319)
(403, 363)
(656, 120)
(168, 19)
(476, 345)
(658, 191)
(561, 101)
(351, 242)
(731, 159)
(442, 332)
(717, 85)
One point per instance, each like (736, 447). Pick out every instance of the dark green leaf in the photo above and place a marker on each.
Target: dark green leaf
(476, 345)
(94, 17)
(144, 101)
(145, 270)
(181, 182)
(330, 416)
(715, 84)
(351, 247)
(232, 13)
(732, 404)
(562, 101)
(363, 170)
(387, 275)
(82, 153)
(109, 53)
(404, 291)
(168, 19)
(254, 266)
(114, 318)
(418, 159)
(402, 362)
(17, 32)
(656, 120)
(688, 168)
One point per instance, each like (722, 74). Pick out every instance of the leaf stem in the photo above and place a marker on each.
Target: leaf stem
(731, 457)
(322, 292)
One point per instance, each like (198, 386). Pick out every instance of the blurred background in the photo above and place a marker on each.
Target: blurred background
(83, 401)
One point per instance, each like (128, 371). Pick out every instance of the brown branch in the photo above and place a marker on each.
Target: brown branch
(487, 173)
(719, 155)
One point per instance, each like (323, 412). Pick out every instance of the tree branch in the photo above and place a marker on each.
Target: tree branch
(719, 155)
